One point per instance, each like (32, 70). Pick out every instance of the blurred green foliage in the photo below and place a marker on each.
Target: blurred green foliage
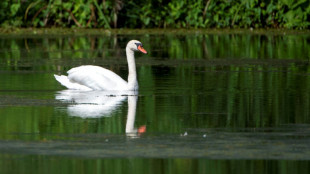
(292, 14)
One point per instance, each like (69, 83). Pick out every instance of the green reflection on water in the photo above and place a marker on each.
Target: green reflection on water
(215, 80)
(42, 164)
(187, 82)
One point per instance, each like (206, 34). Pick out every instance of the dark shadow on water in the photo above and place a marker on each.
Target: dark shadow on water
(286, 143)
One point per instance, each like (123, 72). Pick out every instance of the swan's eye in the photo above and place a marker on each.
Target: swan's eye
(139, 44)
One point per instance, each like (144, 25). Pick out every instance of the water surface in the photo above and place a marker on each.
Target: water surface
(207, 103)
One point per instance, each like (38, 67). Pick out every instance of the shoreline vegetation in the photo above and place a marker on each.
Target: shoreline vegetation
(163, 14)
(84, 32)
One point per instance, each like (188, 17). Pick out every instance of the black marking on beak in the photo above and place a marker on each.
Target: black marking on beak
(139, 44)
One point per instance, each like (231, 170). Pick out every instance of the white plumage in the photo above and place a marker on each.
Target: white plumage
(89, 77)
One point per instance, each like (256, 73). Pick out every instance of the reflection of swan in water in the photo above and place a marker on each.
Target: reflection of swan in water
(131, 115)
(93, 104)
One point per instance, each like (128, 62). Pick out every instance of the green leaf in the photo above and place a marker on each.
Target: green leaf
(287, 2)
(57, 2)
(101, 15)
(14, 8)
(67, 5)
(299, 2)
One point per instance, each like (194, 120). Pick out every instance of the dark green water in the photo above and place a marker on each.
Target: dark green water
(210, 103)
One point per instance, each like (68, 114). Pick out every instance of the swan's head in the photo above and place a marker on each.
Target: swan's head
(136, 45)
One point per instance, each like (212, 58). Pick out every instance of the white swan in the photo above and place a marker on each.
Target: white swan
(89, 77)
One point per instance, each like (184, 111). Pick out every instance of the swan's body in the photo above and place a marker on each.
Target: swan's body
(89, 77)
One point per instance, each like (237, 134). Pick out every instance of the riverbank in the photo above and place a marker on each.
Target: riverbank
(79, 31)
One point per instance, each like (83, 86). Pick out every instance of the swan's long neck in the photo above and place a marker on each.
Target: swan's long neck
(132, 74)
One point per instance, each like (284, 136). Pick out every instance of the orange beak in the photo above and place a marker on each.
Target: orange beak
(140, 48)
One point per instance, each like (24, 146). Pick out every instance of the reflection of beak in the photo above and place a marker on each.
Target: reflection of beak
(140, 48)
(142, 129)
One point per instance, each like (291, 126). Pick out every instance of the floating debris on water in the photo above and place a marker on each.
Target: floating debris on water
(183, 135)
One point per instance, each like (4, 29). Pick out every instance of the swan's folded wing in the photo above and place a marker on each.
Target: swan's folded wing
(96, 78)
(63, 80)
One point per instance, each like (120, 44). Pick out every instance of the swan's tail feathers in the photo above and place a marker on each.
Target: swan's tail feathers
(63, 80)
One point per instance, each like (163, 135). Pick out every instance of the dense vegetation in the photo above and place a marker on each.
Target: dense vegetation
(156, 13)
